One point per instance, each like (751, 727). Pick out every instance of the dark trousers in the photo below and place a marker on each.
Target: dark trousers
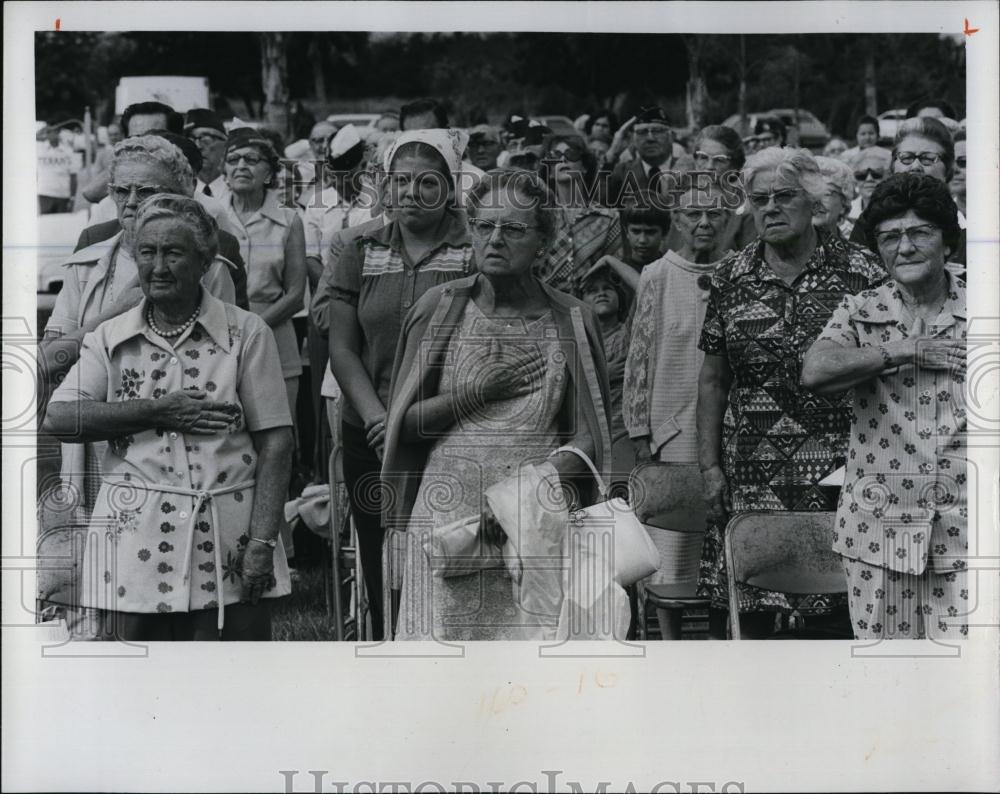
(244, 623)
(362, 469)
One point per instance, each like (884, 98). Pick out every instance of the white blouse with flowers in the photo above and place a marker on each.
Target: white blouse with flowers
(153, 544)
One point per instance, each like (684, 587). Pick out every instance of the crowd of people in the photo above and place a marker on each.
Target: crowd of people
(450, 306)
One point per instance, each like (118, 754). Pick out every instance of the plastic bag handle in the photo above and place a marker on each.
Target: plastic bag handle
(602, 486)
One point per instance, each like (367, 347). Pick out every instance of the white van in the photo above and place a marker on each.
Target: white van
(181, 93)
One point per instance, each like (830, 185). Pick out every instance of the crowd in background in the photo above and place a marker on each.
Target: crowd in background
(755, 310)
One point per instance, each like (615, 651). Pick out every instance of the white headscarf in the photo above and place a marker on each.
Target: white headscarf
(450, 143)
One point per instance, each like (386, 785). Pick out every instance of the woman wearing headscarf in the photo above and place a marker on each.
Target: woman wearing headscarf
(767, 304)
(272, 243)
(187, 393)
(373, 284)
(492, 372)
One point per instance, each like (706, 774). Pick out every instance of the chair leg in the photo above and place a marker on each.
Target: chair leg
(670, 623)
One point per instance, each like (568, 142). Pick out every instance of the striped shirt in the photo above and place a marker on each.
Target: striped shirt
(375, 274)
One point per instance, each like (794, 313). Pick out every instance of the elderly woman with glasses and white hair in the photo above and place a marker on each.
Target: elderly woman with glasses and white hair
(102, 281)
(767, 304)
(187, 392)
(836, 202)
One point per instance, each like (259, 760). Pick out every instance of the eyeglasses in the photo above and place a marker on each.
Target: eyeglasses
(960, 162)
(918, 235)
(250, 159)
(483, 229)
(569, 153)
(642, 130)
(142, 192)
(925, 158)
(874, 173)
(714, 159)
(207, 138)
(782, 198)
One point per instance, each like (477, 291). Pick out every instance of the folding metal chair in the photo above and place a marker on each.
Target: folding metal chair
(668, 500)
(788, 552)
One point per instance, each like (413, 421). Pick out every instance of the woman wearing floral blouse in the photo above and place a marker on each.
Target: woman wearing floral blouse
(188, 393)
(899, 350)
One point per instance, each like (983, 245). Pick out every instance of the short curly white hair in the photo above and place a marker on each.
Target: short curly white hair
(796, 166)
(838, 176)
(143, 148)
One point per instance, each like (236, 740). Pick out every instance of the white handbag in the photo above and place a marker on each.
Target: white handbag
(635, 554)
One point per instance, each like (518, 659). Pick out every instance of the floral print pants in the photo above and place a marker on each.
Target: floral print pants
(890, 605)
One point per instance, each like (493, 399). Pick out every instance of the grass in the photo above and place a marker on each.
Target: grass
(301, 616)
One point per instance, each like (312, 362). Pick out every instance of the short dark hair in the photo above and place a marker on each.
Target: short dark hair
(934, 130)
(869, 120)
(729, 138)
(527, 184)
(929, 198)
(645, 211)
(175, 121)
(603, 113)
(941, 104)
(421, 106)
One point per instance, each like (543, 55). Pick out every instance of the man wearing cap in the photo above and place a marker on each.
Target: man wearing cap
(768, 132)
(484, 146)
(207, 131)
(525, 144)
(653, 141)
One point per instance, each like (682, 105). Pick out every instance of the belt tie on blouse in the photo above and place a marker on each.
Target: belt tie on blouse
(202, 497)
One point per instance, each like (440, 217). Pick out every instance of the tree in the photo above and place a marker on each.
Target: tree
(696, 93)
(274, 78)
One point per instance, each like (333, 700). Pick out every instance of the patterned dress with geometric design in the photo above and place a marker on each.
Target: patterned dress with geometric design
(779, 439)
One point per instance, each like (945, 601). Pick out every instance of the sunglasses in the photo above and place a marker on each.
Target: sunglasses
(874, 173)
(569, 153)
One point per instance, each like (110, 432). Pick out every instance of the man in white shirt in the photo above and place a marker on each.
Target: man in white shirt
(58, 165)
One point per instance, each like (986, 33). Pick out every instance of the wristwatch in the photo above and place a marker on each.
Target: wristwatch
(272, 542)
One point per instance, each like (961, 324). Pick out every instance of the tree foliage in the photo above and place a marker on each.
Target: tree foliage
(488, 75)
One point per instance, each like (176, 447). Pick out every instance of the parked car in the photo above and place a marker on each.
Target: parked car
(357, 119)
(888, 123)
(813, 134)
(560, 125)
(57, 235)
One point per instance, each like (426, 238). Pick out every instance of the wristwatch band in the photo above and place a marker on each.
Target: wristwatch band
(272, 542)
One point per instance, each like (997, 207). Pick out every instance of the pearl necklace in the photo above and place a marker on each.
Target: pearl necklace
(171, 334)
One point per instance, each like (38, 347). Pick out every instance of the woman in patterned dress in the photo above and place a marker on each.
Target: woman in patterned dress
(187, 392)
(767, 304)
(493, 372)
(899, 351)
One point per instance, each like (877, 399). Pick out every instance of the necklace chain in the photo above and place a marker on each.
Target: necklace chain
(177, 332)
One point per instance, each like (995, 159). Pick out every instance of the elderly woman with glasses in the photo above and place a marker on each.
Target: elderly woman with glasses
(102, 281)
(923, 145)
(272, 242)
(583, 232)
(492, 372)
(766, 306)
(836, 204)
(187, 392)
(899, 353)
